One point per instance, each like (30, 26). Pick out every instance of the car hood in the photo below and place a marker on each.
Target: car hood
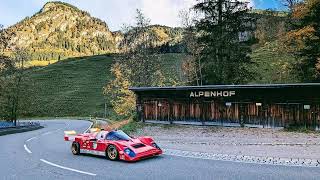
(136, 145)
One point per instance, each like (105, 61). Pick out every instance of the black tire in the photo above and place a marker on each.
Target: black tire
(75, 148)
(112, 153)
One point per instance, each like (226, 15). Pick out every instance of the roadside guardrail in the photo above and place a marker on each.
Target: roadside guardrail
(6, 124)
(26, 124)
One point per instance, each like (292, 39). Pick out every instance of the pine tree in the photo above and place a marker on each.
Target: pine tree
(226, 37)
(4, 39)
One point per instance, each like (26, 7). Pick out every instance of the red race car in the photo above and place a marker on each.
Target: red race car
(115, 145)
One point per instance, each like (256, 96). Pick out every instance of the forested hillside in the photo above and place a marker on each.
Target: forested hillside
(60, 30)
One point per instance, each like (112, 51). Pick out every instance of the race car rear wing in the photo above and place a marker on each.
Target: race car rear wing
(69, 135)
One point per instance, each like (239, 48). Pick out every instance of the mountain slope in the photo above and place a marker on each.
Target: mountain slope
(60, 30)
(159, 37)
(272, 65)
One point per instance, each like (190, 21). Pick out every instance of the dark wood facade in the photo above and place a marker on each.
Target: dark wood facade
(253, 105)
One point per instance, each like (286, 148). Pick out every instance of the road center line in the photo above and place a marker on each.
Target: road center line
(66, 168)
(27, 149)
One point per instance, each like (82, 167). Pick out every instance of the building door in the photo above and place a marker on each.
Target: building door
(253, 114)
(156, 110)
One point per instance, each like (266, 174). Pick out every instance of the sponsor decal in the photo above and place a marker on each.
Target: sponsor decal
(95, 145)
(208, 94)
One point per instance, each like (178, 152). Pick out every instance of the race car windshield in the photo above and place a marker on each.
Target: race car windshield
(118, 135)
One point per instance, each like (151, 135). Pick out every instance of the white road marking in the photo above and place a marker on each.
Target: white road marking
(31, 139)
(66, 168)
(26, 148)
(47, 133)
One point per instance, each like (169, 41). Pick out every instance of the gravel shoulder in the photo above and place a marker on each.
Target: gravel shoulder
(236, 141)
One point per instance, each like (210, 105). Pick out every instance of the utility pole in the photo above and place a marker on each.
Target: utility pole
(105, 109)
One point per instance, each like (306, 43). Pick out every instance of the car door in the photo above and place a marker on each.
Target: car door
(97, 145)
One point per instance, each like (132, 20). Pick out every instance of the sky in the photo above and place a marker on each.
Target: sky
(115, 13)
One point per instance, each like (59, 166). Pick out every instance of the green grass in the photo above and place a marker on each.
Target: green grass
(73, 87)
(70, 88)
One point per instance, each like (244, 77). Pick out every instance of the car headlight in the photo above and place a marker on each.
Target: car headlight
(129, 152)
(155, 145)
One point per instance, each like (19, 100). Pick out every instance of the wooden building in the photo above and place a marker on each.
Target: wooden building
(274, 105)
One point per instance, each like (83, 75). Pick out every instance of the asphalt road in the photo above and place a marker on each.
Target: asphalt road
(42, 154)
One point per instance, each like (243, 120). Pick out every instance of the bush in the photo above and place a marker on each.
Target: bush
(131, 127)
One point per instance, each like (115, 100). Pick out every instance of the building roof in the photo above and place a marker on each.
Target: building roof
(212, 87)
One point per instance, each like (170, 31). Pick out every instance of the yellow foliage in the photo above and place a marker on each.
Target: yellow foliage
(303, 9)
(122, 99)
(298, 37)
(161, 35)
(300, 11)
(41, 63)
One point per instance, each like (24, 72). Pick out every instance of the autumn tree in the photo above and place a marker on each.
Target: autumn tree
(140, 57)
(118, 93)
(191, 64)
(304, 39)
(138, 66)
(226, 35)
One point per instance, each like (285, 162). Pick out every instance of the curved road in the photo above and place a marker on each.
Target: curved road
(43, 154)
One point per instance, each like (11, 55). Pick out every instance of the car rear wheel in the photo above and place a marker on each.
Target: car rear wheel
(112, 153)
(75, 148)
